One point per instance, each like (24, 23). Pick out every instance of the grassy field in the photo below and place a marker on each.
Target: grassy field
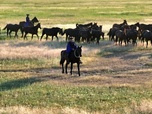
(114, 79)
(78, 11)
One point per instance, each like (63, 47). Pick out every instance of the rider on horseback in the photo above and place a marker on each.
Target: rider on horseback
(27, 20)
(71, 46)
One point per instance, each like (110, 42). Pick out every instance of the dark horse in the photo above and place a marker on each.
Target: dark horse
(73, 58)
(12, 27)
(70, 32)
(120, 36)
(121, 25)
(32, 30)
(31, 24)
(51, 32)
(147, 36)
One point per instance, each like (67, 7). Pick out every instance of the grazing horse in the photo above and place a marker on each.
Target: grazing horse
(52, 32)
(12, 27)
(74, 57)
(32, 30)
(31, 24)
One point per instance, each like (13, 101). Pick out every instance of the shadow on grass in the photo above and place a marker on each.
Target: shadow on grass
(23, 70)
(19, 83)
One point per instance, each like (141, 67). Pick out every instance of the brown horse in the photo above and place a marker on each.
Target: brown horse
(32, 30)
(51, 32)
(74, 57)
(31, 24)
(121, 25)
(12, 28)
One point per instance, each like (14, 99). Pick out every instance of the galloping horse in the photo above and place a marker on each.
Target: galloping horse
(31, 24)
(32, 30)
(12, 27)
(74, 57)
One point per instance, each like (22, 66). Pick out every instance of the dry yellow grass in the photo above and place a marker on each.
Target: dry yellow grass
(26, 110)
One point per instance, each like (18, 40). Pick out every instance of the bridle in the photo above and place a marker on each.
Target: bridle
(75, 54)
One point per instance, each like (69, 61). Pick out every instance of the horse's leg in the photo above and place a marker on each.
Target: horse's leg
(78, 66)
(46, 37)
(62, 67)
(66, 37)
(57, 38)
(66, 67)
(41, 36)
(25, 36)
(62, 63)
(10, 33)
(15, 34)
(22, 32)
(71, 68)
(37, 36)
(52, 37)
(32, 36)
(146, 43)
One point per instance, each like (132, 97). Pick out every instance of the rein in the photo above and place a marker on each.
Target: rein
(75, 54)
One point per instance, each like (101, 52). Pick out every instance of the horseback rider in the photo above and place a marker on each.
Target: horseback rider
(71, 46)
(27, 23)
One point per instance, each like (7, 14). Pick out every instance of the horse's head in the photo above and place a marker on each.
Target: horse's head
(39, 25)
(61, 31)
(125, 22)
(78, 52)
(34, 20)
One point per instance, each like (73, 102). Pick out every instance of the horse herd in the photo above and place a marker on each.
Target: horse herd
(83, 32)
(90, 32)
(130, 33)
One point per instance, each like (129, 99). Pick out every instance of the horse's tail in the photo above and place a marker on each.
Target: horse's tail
(5, 27)
(63, 55)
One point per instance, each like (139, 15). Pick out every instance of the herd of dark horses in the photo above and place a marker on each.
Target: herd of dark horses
(130, 33)
(90, 32)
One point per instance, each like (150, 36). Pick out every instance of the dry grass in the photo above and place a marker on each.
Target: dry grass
(26, 110)
(35, 49)
(144, 108)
